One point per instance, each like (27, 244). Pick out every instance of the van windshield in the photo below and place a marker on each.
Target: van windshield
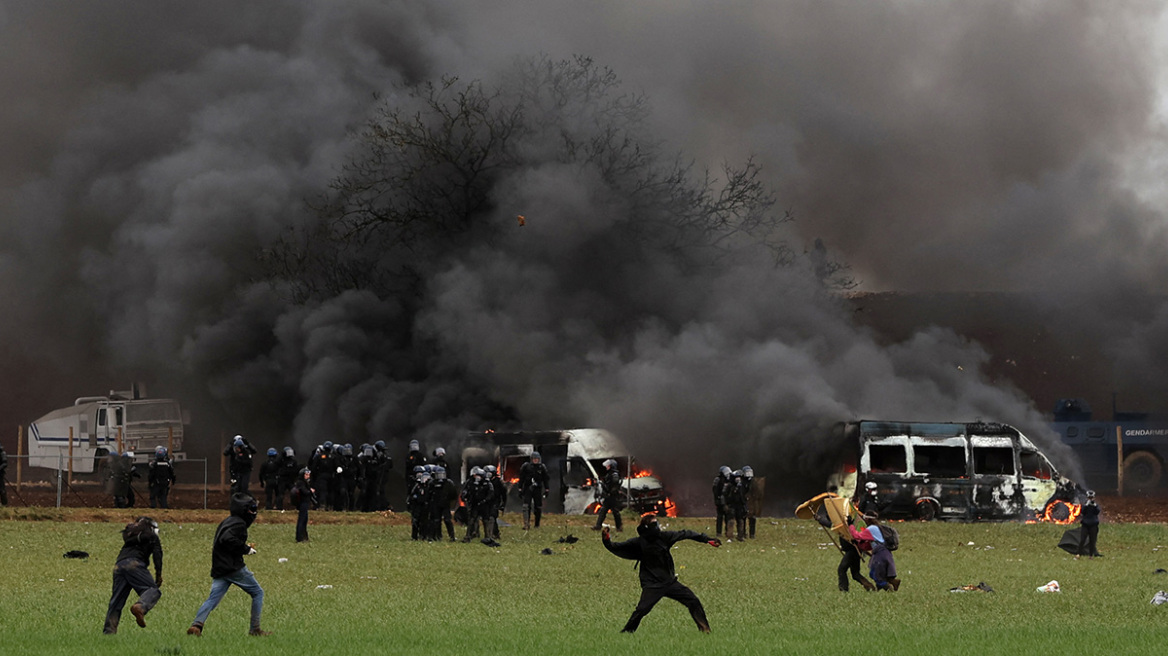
(1035, 465)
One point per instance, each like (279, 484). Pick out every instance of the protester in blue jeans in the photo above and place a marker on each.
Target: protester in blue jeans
(141, 544)
(227, 566)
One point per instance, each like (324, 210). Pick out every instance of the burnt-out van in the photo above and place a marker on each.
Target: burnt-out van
(963, 471)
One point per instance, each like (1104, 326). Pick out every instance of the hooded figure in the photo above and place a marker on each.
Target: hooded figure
(658, 579)
(881, 567)
(227, 567)
(140, 545)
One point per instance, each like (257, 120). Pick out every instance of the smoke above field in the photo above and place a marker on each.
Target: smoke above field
(150, 153)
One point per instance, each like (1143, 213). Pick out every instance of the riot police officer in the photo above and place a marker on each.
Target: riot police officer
(720, 482)
(611, 495)
(324, 470)
(479, 497)
(500, 495)
(286, 475)
(159, 478)
(533, 488)
(384, 466)
(418, 502)
(239, 464)
(269, 479)
(735, 497)
(445, 498)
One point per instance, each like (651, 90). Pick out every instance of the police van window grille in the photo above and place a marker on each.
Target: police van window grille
(947, 461)
(887, 459)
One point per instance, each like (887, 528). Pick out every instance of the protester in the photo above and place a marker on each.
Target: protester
(1089, 527)
(227, 567)
(303, 496)
(881, 566)
(652, 549)
(140, 544)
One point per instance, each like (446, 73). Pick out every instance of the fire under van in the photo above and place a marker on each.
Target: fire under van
(99, 425)
(962, 471)
(575, 462)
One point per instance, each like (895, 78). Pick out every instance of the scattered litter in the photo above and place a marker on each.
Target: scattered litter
(282, 560)
(800, 578)
(1159, 598)
(324, 587)
(76, 554)
(370, 578)
(980, 587)
(548, 552)
(969, 544)
(1160, 570)
(61, 580)
(1053, 586)
(571, 539)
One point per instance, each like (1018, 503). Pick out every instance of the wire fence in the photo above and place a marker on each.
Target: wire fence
(43, 481)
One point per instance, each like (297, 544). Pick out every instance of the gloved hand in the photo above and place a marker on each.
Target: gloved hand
(250, 549)
(715, 542)
(158, 579)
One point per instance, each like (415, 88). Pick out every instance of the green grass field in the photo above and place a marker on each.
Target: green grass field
(776, 594)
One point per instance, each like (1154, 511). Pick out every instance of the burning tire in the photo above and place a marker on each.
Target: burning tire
(1142, 470)
(926, 510)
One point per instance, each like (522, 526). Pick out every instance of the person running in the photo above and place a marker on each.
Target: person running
(227, 568)
(140, 545)
(651, 548)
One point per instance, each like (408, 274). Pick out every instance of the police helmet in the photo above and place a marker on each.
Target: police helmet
(747, 471)
(870, 486)
(288, 452)
(610, 463)
(380, 444)
(271, 452)
(327, 445)
(477, 471)
(347, 450)
(414, 445)
(238, 441)
(535, 457)
(724, 470)
(128, 454)
(489, 471)
(439, 452)
(1090, 494)
(305, 470)
(440, 472)
(737, 473)
(418, 469)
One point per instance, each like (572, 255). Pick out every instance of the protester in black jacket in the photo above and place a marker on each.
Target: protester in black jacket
(303, 496)
(658, 578)
(1089, 527)
(227, 568)
(140, 545)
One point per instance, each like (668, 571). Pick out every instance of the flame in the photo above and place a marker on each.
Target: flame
(1072, 510)
(670, 508)
(514, 481)
(639, 472)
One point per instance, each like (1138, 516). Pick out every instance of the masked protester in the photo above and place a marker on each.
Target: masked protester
(1089, 527)
(533, 488)
(881, 566)
(303, 498)
(227, 567)
(159, 478)
(140, 544)
(652, 549)
(611, 495)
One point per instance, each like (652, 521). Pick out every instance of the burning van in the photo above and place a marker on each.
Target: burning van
(574, 459)
(962, 471)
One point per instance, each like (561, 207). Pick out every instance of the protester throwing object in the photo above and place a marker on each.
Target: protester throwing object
(658, 579)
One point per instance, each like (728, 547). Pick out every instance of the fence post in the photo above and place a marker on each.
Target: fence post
(59, 465)
(70, 479)
(19, 453)
(204, 483)
(1119, 458)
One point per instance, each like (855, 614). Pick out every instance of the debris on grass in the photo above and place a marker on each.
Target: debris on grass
(76, 554)
(1053, 586)
(1159, 598)
(980, 587)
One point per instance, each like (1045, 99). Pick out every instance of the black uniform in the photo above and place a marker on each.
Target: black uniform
(735, 497)
(612, 498)
(533, 488)
(286, 475)
(418, 503)
(302, 496)
(239, 464)
(324, 470)
(719, 490)
(384, 466)
(123, 474)
(270, 481)
(1089, 529)
(445, 499)
(140, 545)
(159, 478)
(479, 497)
(658, 579)
(500, 496)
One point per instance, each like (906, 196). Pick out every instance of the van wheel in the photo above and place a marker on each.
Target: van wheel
(926, 510)
(1141, 470)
